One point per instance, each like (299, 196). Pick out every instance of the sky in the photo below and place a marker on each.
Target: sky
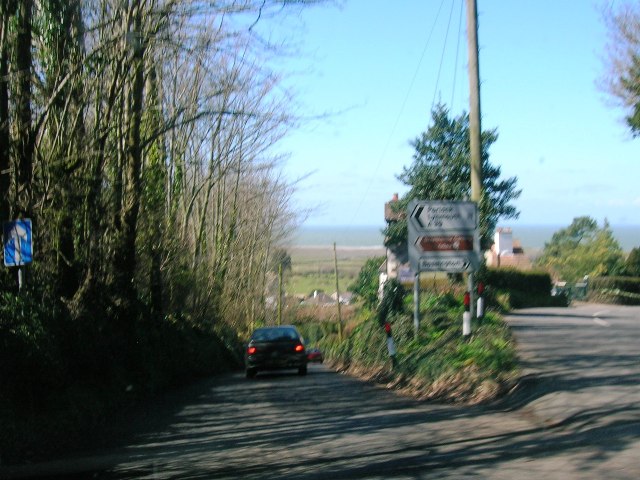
(372, 70)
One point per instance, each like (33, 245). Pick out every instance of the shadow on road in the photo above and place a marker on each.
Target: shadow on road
(584, 405)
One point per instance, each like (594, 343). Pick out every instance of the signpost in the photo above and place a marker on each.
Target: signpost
(18, 245)
(451, 243)
(434, 216)
(447, 265)
(443, 237)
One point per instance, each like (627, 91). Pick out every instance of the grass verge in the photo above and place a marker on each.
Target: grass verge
(437, 364)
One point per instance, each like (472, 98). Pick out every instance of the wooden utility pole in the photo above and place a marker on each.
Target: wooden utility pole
(474, 99)
(475, 129)
(280, 293)
(335, 261)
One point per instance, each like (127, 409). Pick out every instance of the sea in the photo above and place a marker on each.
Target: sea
(532, 237)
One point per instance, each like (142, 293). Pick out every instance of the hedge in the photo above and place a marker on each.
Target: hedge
(615, 290)
(532, 283)
(626, 284)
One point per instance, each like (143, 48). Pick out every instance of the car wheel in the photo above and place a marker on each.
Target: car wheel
(302, 370)
(251, 372)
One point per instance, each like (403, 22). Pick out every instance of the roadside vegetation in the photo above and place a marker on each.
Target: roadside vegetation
(139, 138)
(582, 249)
(434, 362)
(437, 362)
(586, 254)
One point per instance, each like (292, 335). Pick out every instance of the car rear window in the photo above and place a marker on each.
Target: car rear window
(274, 334)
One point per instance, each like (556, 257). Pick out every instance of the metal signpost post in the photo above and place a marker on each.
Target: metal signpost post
(443, 237)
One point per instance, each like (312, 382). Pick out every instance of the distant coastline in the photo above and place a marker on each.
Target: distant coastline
(342, 236)
(531, 237)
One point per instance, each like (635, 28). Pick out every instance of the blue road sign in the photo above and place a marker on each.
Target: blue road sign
(18, 245)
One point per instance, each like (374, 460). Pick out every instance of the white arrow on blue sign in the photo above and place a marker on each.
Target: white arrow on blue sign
(18, 245)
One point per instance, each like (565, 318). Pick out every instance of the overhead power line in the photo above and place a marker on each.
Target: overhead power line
(397, 120)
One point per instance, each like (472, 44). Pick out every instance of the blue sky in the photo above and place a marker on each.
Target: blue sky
(375, 67)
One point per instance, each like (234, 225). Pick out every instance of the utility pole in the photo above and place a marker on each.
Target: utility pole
(335, 261)
(416, 304)
(475, 129)
(280, 293)
(474, 99)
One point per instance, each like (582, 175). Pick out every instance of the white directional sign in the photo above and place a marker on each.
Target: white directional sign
(449, 265)
(443, 236)
(443, 216)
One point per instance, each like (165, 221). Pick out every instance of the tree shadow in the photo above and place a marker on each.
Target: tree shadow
(327, 425)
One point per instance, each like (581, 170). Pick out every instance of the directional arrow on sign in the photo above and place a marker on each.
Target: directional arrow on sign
(416, 214)
(444, 216)
(443, 236)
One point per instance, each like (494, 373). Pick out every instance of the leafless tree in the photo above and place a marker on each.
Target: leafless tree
(139, 135)
(621, 79)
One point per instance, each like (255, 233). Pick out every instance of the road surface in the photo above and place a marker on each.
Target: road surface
(576, 415)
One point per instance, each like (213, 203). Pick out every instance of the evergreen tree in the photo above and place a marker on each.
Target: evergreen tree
(632, 264)
(441, 170)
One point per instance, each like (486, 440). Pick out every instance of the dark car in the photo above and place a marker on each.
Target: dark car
(275, 348)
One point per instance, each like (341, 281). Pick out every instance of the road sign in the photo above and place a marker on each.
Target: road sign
(450, 243)
(443, 236)
(446, 264)
(18, 245)
(441, 216)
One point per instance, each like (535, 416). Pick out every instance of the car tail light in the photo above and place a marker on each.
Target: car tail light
(251, 350)
(299, 348)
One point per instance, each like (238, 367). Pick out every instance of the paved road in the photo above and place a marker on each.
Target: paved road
(576, 416)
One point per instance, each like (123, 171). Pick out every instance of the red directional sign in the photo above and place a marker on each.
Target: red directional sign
(449, 243)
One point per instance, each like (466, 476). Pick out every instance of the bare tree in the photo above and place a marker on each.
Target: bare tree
(621, 79)
(5, 16)
(139, 132)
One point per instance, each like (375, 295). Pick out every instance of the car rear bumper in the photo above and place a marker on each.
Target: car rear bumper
(275, 362)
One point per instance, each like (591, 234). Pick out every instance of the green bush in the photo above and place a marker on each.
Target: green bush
(314, 332)
(366, 284)
(437, 355)
(534, 283)
(625, 284)
(508, 300)
(392, 301)
(30, 356)
(507, 289)
(62, 377)
(632, 263)
(614, 290)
